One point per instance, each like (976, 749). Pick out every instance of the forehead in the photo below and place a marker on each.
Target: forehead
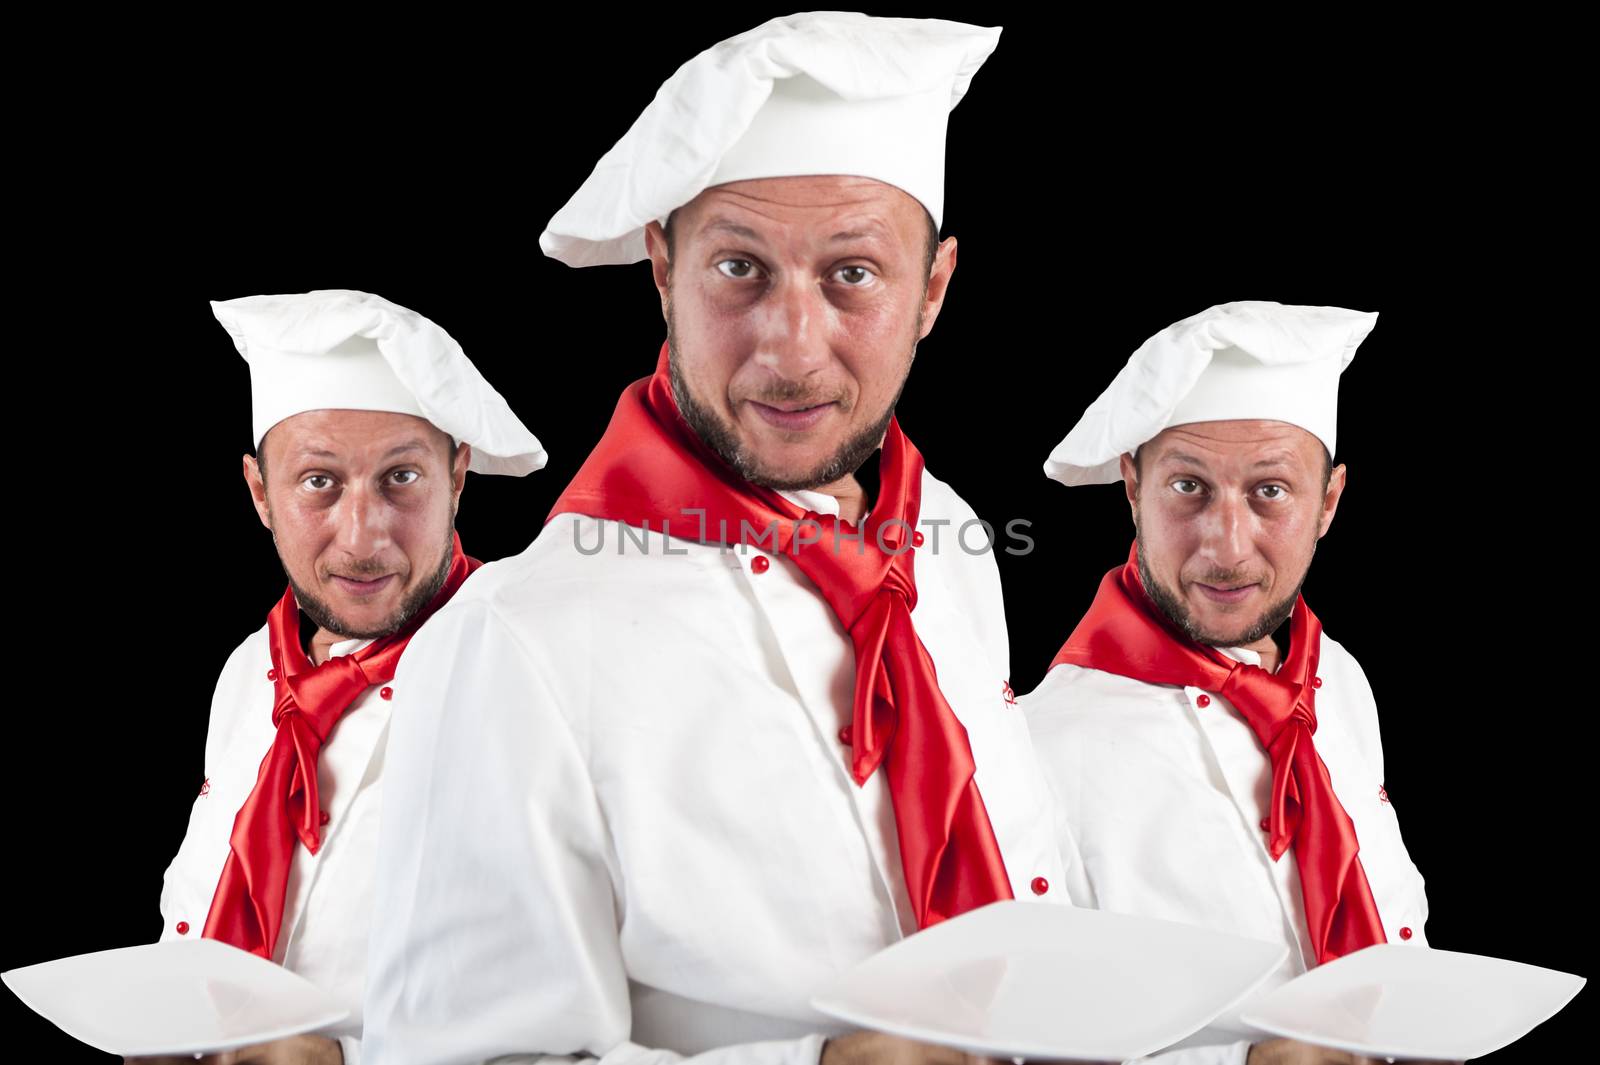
(352, 435)
(819, 207)
(1238, 443)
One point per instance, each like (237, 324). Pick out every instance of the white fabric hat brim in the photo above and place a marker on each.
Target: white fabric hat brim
(311, 351)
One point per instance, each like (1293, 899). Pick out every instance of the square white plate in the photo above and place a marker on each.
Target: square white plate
(1028, 979)
(179, 997)
(1398, 1001)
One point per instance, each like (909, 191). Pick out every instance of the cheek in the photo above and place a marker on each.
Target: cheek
(875, 342)
(1169, 518)
(1287, 524)
(300, 522)
(302, 535)
(1167, 540)
(709, 338)
(421, 525)
(888, 316)
(1289, 538)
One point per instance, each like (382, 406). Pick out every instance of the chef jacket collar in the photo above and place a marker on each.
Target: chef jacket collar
(816, 502)
(1247, 656)
(346, 647)
(827, 505)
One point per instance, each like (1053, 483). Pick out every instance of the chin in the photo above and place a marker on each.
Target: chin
(1233, 639)
(1228, 631)
(784, 461)
(366, 616)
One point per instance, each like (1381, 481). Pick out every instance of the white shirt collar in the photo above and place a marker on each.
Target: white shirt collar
(1245, 655)
(820, 502)
(346, 647)
(816, 502)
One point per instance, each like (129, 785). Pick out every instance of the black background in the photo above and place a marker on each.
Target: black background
(1102, 184)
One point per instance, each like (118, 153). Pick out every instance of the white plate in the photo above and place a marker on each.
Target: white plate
(179, 997)
(1028, 979)
(1398, 1001)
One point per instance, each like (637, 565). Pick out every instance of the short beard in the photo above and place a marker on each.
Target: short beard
(720, 437)
(324, 618)
(1174, 608)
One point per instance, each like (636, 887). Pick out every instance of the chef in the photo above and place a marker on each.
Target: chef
(367, 417)
(690, 755)
(1213, 764)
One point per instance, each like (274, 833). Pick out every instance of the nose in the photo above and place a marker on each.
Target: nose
(362, 520)
(792, 333)
(1227, 540)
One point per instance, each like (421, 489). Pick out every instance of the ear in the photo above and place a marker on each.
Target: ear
(1130, 485)
(944, 264)
(1330, 499)
(458, 475)
(258, 489)
(655, 245)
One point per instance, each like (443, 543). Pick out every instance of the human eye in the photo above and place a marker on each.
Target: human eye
(738, 269)
(404, 477)
(1185, 486)
(1273, 492)
(856, 276)
(316, 482)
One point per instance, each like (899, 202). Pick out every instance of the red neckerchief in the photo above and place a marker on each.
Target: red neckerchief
(1126, 634)
(650, 469)
(247, 909)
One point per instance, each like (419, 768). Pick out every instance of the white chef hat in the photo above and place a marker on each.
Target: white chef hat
(822, 92)
(336, 349)
(1234, 361)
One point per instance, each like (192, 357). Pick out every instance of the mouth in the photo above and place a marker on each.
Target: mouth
(1225, 593)
(791, 417)
(360, 588)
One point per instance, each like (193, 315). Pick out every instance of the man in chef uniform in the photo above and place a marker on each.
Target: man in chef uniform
(1205, 771)
(689, 756)
(367, 417)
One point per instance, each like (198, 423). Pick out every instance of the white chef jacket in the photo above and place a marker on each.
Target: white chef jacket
(327, 903)
(1163, 799)
(621, 822)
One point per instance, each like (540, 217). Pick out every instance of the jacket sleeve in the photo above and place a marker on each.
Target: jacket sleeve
(496, 916)
(178, 879)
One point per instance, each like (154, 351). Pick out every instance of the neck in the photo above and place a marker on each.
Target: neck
(851, 495)
(320, 643)
(1268, 650)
